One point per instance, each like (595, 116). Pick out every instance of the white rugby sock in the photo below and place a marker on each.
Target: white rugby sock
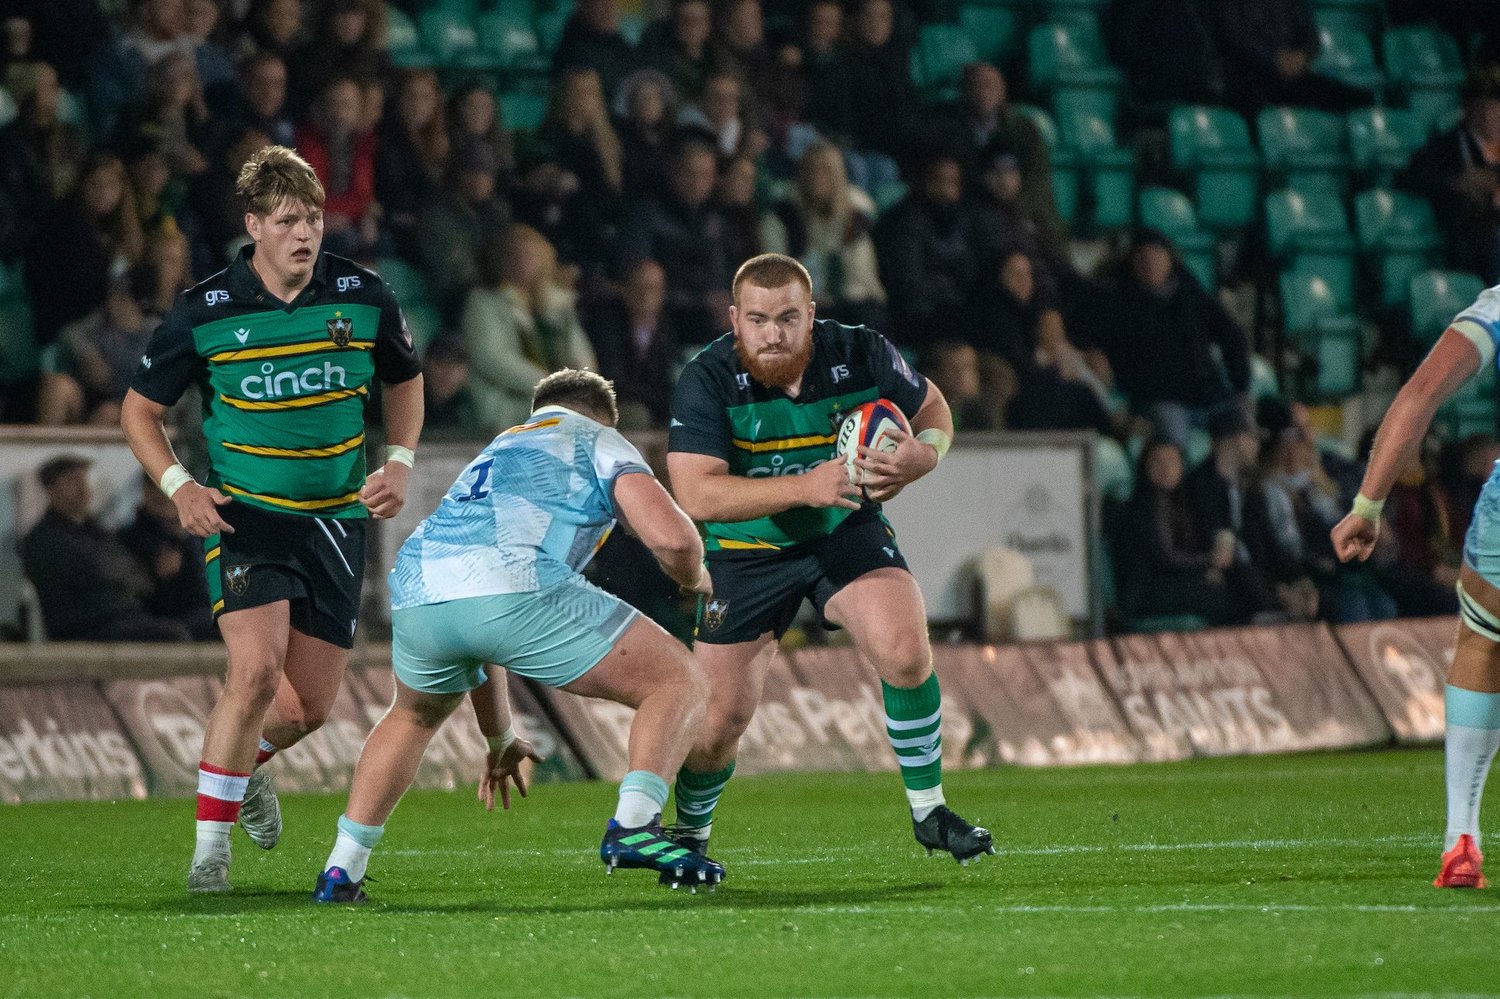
(924, 801)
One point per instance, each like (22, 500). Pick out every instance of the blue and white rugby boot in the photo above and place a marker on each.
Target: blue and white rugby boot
(648, 847)
(334, 885)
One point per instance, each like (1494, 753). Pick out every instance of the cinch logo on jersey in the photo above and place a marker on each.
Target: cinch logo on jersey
(779, 466)
(270, 384)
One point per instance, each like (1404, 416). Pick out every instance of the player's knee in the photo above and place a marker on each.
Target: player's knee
(727, 721)
(253, 685)
(903, 662)
(308, 720)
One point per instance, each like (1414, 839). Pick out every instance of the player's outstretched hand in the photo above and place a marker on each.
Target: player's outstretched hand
(829, 485)
(198, 510)
(502, 767)
(384, 493)
(1355, 537)
(883, 470)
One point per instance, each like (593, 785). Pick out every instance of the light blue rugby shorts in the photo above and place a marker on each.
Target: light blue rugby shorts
(553, 636)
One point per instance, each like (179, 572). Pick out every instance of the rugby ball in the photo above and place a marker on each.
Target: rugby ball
(870, 426)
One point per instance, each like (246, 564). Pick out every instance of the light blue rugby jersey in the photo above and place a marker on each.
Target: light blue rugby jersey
(530, 511)
(1480, 323)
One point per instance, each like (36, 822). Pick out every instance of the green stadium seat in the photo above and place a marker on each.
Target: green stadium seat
(523, 109)
(8, 109)
(1346, 54)
(995, 31)
(1113, 475)
(1263, 381)
(1079, 12)
(1170, 211)
(400, 32)
(1211, 148)
(942, 51)
(1425, 67)
(1382, 140)
(1068, 61)
(411, 290)
(1473, 408)
(1309, 233)
(1110, 169)
(1304, 149)
(550, 25)
(1166, 622)
(449, 36)
(1319, 325)
(1399, 233)
(1363, 16)
(20, 360)
(510, 36)
(1064, 162)
(887, 194)
(1436, 297)
(632, 26)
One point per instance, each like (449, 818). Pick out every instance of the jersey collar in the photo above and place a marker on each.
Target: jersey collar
(245, 283)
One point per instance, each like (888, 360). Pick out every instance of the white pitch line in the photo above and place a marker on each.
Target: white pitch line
(1113, 910)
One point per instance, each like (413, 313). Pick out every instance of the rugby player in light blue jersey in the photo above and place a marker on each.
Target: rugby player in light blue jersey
(492, 576)
(1472, 694)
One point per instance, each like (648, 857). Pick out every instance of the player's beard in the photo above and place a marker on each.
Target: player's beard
(777, 370)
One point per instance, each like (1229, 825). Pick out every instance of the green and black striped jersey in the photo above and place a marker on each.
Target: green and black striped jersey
(719, 410)
(285, 385)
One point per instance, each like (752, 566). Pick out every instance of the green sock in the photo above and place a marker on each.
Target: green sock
(698, 795)
(914, 724)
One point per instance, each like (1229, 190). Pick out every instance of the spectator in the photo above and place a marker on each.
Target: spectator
(741, 49)
(474, 116)
(204, 27)
(217, 209)
(826, 223)
(1268, 47)
(518, 325)
(342, 153)
(1137, 32)
(157, 29)
(679, 46)
(827, 101)
(412, 156)
(1220, 493)
(720, 114)
(92, 235)
(637, 348)
(1165, 338)
(260, 101)
(1459, 172)
(96, 358)
(90, 587)
(578, 132)
(173, 561)
(645, 110)
(591, 40)
(1002, 225)
(275, 26)
(449, 411)
(173, 114)
(39, 155)
(145, 161)
(928, 254)
(1167, 566)
(455, 224)
(685, 234)
(984, 121)
(546, 197)
(1417, 559)
(735, 198)
(879, 77)
(953, 366)
(346, 42)
(68, 35)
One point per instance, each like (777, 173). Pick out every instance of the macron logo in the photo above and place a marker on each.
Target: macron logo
(242, 334)
(676, 423)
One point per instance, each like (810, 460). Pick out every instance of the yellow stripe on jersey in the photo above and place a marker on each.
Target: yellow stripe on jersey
(212, 554)
(285, 350)
(218, 606)
(538, 425)
(301, 402)
(784, 444)
(733, 545)
(292, 504)
(327, 451)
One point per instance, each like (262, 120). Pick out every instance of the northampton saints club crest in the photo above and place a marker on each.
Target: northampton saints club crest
(237, 578)
(341, 330)
(713, 613)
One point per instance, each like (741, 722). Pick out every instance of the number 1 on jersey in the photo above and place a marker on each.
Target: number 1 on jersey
(481, 475)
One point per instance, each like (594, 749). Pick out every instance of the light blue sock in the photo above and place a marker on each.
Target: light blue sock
(351, 850)
(643, 795)
(1470, 743)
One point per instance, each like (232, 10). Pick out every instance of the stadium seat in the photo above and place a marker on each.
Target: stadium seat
(403, 44)
(1363, 16)
(1263, 381)
(1398, 232)
(887, 194)
(410, 289)
(449, 36)
(1382, 140)
(632, 26)
(20, 360)
(1113, 475)
(1309, 232)
(1068, 61)
(1110, 169)
(8, 109)
(1304, 149)
(1076, 12)
(1346, 54)
(550, 25)
(510, 37)
(1473, 408)
(1064, 162)
(943, 50)
(1324, 332)
(995, 31)
(1211, 147)
(1436, 297)
(523, 109)
(1170, 211)
(1425, 67)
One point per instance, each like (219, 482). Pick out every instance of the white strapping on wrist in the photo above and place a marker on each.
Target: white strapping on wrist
(174, 478)
(1366, 507)
(937, 439)
(401, 455)
(500, 743)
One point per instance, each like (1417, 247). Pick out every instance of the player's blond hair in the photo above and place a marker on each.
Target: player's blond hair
(274, 176)
(771, 270)
(580, 389)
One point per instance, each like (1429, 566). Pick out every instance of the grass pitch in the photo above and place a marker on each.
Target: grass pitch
(1284, 876)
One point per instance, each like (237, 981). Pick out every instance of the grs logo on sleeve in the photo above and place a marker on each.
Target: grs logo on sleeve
(345, 283)
(215, 297)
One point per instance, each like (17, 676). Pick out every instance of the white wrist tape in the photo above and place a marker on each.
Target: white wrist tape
(1367, 508)
(939, 440)
(401, 455)
(173, 479)
(500, 743)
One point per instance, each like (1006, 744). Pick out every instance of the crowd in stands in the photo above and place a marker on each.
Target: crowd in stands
(605, 233)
